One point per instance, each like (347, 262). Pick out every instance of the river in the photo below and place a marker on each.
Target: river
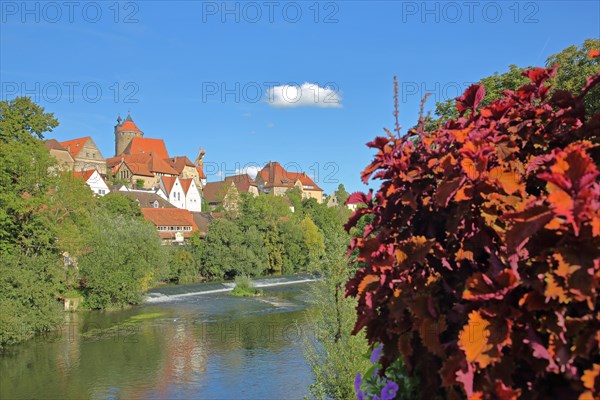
(185, 342)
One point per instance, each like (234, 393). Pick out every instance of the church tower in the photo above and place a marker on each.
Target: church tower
(125, 131)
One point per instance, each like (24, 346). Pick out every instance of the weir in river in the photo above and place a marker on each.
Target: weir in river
(193, 341)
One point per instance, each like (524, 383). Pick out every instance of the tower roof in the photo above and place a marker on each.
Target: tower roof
(128, 125)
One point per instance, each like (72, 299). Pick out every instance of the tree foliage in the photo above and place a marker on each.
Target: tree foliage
(482, 258)
(124, 259)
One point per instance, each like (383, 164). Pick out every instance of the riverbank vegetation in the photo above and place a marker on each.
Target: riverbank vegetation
(244, 287)
(57, 240)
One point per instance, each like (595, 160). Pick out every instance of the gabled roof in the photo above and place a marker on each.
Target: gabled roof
(74, 146)
(242, 182)
(169, 217)
(179, 163)
(140, 145)
(86, 175)
(146, 199)
(186, 184)
(214, 192)
(52, 144)
(273, 174)
(168, 182)
(202, 220)
(141, 164)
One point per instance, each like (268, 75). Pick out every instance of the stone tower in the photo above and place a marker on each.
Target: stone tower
(125, 131)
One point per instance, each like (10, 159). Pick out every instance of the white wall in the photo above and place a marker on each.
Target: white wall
(177, 196)
(97, 184)
(193, 200)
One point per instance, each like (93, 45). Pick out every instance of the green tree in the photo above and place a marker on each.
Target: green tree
(117, 204)
(314, 239)
(274, 248)
(341, 194)
(295, 256)
(574, 67)
(125, 259)
(228, 252)
(30, 275)
(182, 266)
(28, 296)
(335, 355)
(25, 180)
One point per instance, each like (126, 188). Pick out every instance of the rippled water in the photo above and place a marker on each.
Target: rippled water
(201, 346)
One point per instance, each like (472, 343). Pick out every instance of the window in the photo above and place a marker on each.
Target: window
(155, 204)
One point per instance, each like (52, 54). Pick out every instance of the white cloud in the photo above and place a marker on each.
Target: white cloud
(251, 170)
(270, 125)
(305, 95)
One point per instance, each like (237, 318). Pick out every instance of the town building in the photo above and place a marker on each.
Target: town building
(274, 179)
(86, 155)
(175, 226)
(141, 170)
(186, 169)
(94, 180)
(64, 160)
(153, 198)
(193, 199)
(221, 194)
(243, 183)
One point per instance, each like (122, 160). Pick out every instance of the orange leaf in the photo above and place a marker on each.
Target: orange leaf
(367, 280)
(473, 340)
(590, 376)
(508, 180)
(554, 290)
(460, 134)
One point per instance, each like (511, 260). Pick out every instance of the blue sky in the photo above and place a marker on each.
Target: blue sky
(211, 74)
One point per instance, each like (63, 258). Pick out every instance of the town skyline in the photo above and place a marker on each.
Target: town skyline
(195, 72)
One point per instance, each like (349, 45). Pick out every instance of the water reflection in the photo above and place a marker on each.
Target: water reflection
(208, 347)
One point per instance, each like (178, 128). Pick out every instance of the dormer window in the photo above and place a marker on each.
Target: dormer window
(155, 204)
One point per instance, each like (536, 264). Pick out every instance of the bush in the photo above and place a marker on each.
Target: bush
(28, 300)
(482, 260)
(244, 287)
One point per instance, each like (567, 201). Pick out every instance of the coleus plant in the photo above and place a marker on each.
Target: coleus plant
(481, 265)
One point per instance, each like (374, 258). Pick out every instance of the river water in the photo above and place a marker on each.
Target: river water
(186, 342)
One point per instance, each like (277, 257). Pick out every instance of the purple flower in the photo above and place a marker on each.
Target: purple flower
(357, 382)
(376, 355)
(389, 391)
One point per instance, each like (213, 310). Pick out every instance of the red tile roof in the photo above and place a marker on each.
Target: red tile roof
(179, 163)
(140, 145)
(273, 174)
(128, 126)
(186, 183)
(169, 217)
(242, 182)
(142, 164)
(74, 146)
(84, 174)
(169, 181)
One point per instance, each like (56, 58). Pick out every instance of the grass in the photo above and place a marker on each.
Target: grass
(244, 287)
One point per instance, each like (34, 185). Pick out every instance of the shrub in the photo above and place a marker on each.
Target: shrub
(482, 258)
(244, 287)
